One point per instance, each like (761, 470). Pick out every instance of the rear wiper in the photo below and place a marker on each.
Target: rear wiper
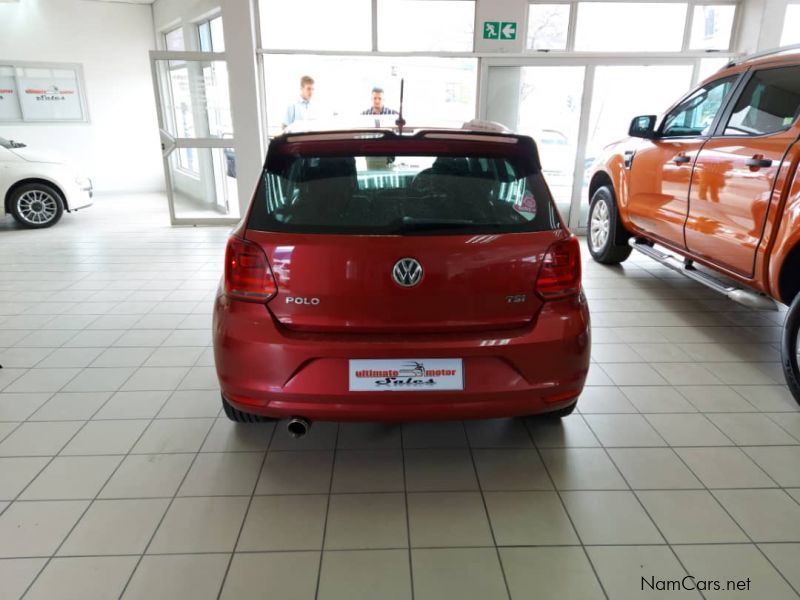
(411, 224)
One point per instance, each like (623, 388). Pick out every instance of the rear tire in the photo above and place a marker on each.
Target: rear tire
(562, 412)
(607, 239)
(238, 416)
(790, 350)
(36, 205)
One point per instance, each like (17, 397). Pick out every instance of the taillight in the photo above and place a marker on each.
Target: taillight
(247, 272)
(560, 275)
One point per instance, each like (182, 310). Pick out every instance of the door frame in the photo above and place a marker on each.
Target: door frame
(176, 143)
(590, 63)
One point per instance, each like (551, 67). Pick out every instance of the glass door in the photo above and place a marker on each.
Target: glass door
(197, 138)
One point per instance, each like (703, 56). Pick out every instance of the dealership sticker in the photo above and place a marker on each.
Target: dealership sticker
(526, 204)
(406, 375)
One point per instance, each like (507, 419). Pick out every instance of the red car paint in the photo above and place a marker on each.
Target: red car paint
(294, 308)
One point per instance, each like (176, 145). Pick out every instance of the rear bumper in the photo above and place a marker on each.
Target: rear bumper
(266, 369)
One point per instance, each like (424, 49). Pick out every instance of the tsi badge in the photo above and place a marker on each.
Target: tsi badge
(302, 300)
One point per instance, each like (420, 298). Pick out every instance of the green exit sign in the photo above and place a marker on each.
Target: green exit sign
(499, 30)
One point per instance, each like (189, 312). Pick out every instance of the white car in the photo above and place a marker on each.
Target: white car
(37, 189)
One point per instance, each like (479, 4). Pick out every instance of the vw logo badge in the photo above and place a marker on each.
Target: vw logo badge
(407, 272)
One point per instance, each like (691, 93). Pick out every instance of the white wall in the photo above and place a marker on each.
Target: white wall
(119, 148)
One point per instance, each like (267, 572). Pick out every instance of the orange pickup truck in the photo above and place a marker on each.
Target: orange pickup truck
(714, 182)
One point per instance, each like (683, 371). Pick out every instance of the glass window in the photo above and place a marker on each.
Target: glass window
(173, 40)
(316, 24)
(437, 90)
(791, 25)
(712, 25)
(769, 103)
(548, 25)
(426, 25)
(630, 27)
(210, 34)
(401, 194)
(9, 96)
(695, 115)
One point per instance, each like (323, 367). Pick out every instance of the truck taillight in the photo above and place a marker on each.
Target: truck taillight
(560, 275)
(248, 275)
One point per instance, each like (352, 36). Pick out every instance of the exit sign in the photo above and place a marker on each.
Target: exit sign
(499, 30)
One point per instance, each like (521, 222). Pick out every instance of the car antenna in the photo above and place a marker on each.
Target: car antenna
(400, 122)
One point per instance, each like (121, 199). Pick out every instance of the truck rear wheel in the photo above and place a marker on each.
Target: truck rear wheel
(790, 348)
(606, 238)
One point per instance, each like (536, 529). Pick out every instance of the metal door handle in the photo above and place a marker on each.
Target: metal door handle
(681, 159)
(758, 162)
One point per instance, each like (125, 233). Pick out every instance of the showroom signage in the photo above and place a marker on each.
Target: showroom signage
(499, 30)
(36, 92)
(406, 375)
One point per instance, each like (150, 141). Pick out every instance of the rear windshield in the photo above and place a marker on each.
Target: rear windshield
(399, 194)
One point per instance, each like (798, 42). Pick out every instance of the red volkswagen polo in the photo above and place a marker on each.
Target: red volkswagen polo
(396, 276)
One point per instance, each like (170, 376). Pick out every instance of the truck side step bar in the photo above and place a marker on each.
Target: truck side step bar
(745, 297)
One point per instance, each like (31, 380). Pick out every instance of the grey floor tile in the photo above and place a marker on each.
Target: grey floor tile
(286, 575)
(227, 436)
(132, 405)
(785, 557)
(37, 528)
(657, 399)
(529, 519)
(115, 527)
(624, 430)
(155, 378)
(549, 574)
(148, 476)
(610, 518)
(690, 517)
(39, 439)
(70, 406)
(122, 357)
(497, 433)
(510, 469)
(40, 380)
(89, 578)
(439, 469)
(368, 471)
(653, 468)
(18, 407)
(321, 436)
(17, 574)
(18, 472)
(71, 478)
(737, 562)
(223, 474)
(625, 570)
(195, 576)
(714, 398)
(725, 468)
(562, 433)
(448, 519)
(358, 575)
(751, 429)
(782, 463)
(284, 523)
(363, 436)
(364, 521)
(464, 573)
(303, 472)
(604, 399)
(765, 515)
(93, 379)
(582, 469)
(446, 434)
(199, 525)
(65, 358)
(688, 430)
(769, 398)
(193, 403)
(106, 437)
(173, 435)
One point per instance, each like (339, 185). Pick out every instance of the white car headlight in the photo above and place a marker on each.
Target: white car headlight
(84, 183)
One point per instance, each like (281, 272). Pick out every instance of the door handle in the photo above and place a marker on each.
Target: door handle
(681, 159)
(757, 162)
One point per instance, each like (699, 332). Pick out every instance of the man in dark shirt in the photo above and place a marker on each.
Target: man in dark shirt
(377, 107)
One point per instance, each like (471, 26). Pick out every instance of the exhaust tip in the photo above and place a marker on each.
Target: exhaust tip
(298, 427)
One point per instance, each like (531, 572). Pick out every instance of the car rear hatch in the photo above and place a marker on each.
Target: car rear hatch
(424, 233)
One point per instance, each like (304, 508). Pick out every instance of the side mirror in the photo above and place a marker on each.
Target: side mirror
(643, 127)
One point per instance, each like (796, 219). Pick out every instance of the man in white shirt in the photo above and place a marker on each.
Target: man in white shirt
(300, 109)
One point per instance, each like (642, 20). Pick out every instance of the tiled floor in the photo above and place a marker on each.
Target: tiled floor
(119, 477)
